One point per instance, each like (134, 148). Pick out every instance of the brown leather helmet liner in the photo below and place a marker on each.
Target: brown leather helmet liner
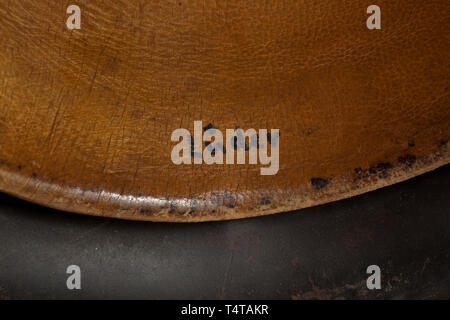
(87, 115)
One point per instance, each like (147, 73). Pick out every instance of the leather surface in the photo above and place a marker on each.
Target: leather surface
(86, 115)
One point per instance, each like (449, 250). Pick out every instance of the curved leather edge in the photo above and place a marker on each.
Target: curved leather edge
(215, 206)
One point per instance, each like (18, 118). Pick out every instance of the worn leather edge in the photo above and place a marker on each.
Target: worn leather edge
(146, 208)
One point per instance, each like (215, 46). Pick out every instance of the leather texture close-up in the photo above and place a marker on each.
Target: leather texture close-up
(86, 116)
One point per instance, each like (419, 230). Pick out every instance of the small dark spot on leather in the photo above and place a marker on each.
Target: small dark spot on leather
(34, 175)
(193, 205)
(319, 183)
(19, 167)
(309, 132)
(407, 160)
(229, 200)
(265, 201)
(360, 174)
(411, 143)
(381, 169)
(173, 207)
(214, 199)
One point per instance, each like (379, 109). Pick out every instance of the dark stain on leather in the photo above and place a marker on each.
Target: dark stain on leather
(172, 206)
(320, 183)
(265, 201)
(229, 200)
(360, 174)
(407, 160)
(193, 205)
(382, 170)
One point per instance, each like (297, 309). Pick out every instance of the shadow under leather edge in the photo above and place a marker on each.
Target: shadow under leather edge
(146, 208)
